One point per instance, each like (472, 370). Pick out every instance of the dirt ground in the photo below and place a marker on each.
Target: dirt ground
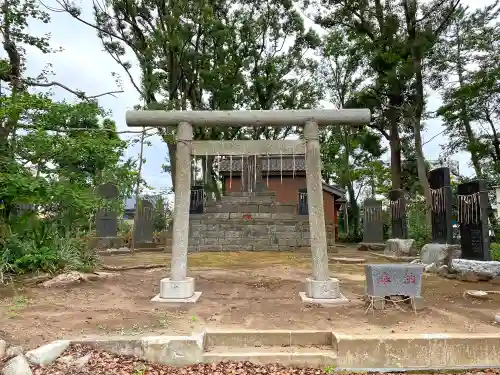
(240, 290)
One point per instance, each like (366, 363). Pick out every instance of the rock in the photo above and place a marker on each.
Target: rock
(3, 349)
(64, 279)
(451, 276)
(14, 351)
(74, 277)
(431, 268)
(66, 359)
(46, 354)
(82, 361)
(483, 268)
(443, 270)
(363, 246)
(440, 254)
(124, 249)
(416, 261)
(17, 366)
(400, 247)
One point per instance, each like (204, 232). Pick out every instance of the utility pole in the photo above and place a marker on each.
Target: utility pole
(137, 190)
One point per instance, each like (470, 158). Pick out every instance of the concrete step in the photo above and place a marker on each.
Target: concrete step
(316, 357)
(259, 338)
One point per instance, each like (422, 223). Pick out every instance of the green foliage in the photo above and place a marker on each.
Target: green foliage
(495, 251)
(418, 228)
(41, 247)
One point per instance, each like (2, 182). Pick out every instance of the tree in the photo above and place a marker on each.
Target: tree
(396, 40)
(466, 44)
(211, 55)
(347, 153)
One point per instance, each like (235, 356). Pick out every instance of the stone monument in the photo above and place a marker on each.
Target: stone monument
(472, 216)
(373, 225)
(320, 288)
(442, 250)
(399, 245)
(107, 219)
(144, 224)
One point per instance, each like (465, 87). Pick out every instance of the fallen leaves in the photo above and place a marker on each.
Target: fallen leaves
(105, 363)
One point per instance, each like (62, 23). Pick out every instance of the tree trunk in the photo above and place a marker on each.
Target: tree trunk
(395, 146)
(353, 229)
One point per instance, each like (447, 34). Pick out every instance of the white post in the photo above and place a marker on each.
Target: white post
(320, 288)
(179, 287)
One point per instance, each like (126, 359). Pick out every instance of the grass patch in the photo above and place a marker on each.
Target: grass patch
(16, 305)
(248, 259)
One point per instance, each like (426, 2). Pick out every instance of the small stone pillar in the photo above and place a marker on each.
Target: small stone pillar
(179, 287)
(320, 288)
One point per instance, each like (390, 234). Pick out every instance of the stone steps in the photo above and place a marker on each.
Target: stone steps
(292, 356)
(291, 348)
(246, 206)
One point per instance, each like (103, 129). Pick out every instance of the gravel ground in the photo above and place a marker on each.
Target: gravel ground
(103, 363)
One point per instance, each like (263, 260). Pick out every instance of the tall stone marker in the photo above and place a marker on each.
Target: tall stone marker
(106, 219)
(442, 250)
(442, 208)
(472, 215)
(399, 222)
(144, 221)
(373, 222)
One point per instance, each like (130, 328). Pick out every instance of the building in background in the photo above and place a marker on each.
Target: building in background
(286, 176)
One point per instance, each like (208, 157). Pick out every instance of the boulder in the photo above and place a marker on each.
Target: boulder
(13, 351)
(400, 247)
(440, 254)
(443, 270)
(17, 366)
(484, 269)
(431, 268)
(3, 349)
(46, 354)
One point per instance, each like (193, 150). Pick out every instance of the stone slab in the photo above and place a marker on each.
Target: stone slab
(394, 258)
(327, 302)
(439, 254)
(193, 299)
(363, 246)
(46, 354)
(17, 366)
(476, 266)
(347, 260)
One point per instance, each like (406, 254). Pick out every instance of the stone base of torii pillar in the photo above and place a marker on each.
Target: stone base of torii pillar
(323, 292)
(177, 291)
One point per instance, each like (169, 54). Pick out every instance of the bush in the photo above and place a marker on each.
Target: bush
(42, 248)
(495, 251)
(418, 229)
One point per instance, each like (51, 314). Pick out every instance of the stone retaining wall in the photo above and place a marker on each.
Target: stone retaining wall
(256, 231)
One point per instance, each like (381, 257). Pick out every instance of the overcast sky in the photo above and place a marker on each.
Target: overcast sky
(85, 66)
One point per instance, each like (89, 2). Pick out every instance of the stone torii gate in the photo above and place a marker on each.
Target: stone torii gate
(320, 288)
